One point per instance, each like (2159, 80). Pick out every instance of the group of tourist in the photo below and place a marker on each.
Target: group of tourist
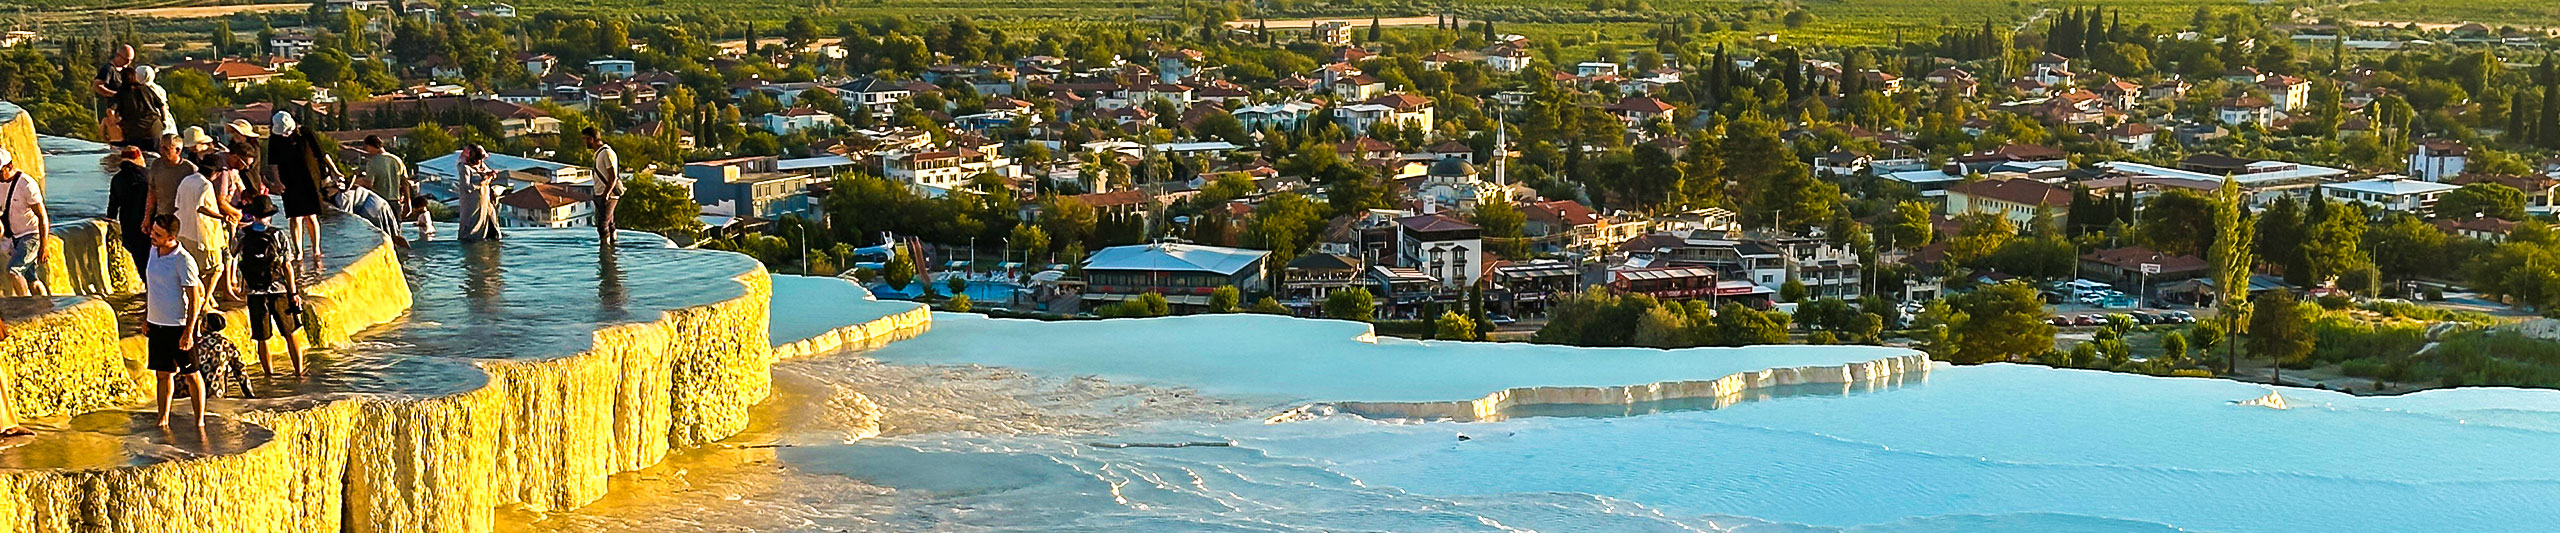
(195, 213)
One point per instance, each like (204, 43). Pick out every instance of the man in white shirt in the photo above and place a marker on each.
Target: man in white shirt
(24, 222)
(608, 189)
(204, 225)
(172, 294)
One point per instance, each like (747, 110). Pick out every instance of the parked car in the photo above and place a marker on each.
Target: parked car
(2088, 320)
(1500, 320)
(2183, 317)
(2059, 320)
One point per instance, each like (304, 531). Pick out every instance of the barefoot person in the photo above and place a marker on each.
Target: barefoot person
(300, 167)
(388, 177)
(23, 220)
(479, 199)
(608, 187)
(171, 295)
(274, 293)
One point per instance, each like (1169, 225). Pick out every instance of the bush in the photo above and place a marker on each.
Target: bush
(959, 303)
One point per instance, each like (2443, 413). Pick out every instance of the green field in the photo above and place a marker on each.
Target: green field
(1836, 22)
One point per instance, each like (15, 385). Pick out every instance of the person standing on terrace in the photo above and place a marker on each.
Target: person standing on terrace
(171, 295)
(275, 295)
(129, 202)
(24, 222)
(300, 166)
(479, 196)
(388, 176)
(110, 89)
(608, 187)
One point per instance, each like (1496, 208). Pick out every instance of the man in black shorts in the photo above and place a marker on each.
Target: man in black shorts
(274, 293)
(172, 295)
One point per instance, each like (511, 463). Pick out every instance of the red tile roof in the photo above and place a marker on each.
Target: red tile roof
(2017, 191)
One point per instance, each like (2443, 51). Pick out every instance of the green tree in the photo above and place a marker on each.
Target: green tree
(2178, 222)
(2280, 330)
(1661, 327)
(1792, 291)
(2482, 199)
(1031, 240)
(1738, 325)
(1269, 306)
(1453, 326)
(1996, 324)
(2173, 345)
(900, 271)
(2231, 259)
(1907, 227)
(1353, 303)
(656, 206)
(958, 285)
(1224, 299)
(1979, 236)
(959, 303)
(1502, 226)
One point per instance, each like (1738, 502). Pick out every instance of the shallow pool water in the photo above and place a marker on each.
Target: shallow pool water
(1982, 448)
(535, 293)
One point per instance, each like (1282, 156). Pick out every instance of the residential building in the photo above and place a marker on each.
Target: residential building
(1567, 226)
(751, 186)
(1404, 110)
(2438, 159)
(2245, 110)
(947, 169)
(2020, 200)
(2134, 136)
(1506, 58)
(613, 68)
(1281, 115)
(2392, 193)
(545, 205)
(795, 120)
(1441, 246)
(1185, 274)
(881, 96)
(291, 43)
(538, 65)
(1637, 111)
(1312, 277)
(2288, 93)
(2492, 229)
(1528, 286)
(1665, 283)
(230, 73)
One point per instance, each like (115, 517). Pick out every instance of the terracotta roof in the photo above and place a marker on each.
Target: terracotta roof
(2017, 191)
(2491, 225)
(1401, 101)
(1434, 223)
(1559, 212)
(227, 68)
(1363, 145)
(544, 197)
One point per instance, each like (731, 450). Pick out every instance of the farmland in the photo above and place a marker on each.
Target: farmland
(1582, 24)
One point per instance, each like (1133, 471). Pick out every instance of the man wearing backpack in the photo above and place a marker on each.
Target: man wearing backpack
(275, 296)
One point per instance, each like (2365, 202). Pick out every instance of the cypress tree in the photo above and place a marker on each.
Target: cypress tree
(2549, 131)
(1375, 34)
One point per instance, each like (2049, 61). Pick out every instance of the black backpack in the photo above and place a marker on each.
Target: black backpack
(262, 260)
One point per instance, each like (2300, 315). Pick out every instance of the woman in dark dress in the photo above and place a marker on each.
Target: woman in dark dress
(300, 165)
(129, 202)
